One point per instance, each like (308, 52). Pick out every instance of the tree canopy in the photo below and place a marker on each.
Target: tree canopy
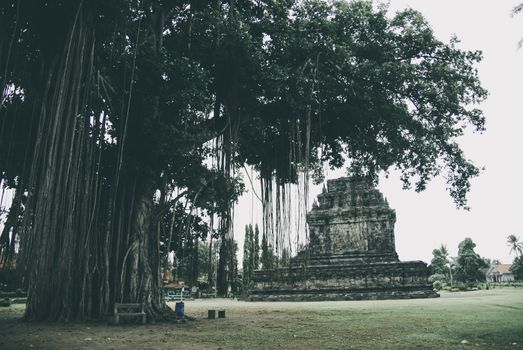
(112, 112)
(469, 263)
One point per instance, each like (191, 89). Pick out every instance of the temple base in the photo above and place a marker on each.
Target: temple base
(343, 278)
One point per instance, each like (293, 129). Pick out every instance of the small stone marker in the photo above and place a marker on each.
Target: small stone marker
(211, 314)
(221, 313)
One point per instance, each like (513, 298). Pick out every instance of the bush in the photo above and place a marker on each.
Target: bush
(437, 277)
(483, 286)
(5, 302)
(438, 281)
(459, 286)
(467, 287)
(437, 285)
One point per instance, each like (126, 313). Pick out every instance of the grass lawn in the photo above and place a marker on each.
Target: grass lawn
(480, 320)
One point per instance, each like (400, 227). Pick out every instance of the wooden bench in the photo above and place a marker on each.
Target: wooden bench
(125, 310)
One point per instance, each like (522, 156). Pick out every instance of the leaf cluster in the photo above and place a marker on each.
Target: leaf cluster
(292, 84)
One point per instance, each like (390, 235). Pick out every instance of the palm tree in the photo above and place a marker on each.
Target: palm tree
(450, 264)
(517, 9)
(444, 251)
(515, 245)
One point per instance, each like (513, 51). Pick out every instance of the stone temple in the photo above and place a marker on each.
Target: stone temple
(351, 254)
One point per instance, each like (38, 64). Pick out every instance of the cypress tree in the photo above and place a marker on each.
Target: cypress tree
(247, 256)
(256, 244)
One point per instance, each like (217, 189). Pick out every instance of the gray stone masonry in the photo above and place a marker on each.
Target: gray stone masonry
(351, 255)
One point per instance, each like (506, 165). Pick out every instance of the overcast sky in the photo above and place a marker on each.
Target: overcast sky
(428, 219)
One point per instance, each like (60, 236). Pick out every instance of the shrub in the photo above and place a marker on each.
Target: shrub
(437, 277)
(437, 285)
(5, 302)
(461, 286)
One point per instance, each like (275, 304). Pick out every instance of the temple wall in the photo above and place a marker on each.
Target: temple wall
(353, 236)
(351, 216)
(364, 281)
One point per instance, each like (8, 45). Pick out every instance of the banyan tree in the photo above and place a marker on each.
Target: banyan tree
(114, 112)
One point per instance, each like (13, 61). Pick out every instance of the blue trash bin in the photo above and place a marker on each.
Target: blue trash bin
(179, 309)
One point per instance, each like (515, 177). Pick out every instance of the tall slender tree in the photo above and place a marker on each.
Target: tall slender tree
(256, 249)
(248, 256)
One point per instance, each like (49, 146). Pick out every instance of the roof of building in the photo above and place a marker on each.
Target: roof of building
(174, 285)
(503, 268)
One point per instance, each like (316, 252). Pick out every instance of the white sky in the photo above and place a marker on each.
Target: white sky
(428, 219)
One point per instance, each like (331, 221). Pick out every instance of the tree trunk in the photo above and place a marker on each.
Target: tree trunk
(140, 270)
(87, 242)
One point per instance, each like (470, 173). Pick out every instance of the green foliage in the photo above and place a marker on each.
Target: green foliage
(469, 263)
(517, 268)
(437, 284)
(248, 256)
(438, 281)
(5, 302)
(441, 267)
(256, 243)
(207, 262)
(234, 277)
(384, 91)
(515, 245)
(439, 261)
(268, 258)
(285, 257)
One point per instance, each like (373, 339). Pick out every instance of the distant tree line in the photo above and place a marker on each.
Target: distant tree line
(468, 268)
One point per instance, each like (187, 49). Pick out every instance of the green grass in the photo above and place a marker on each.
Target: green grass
(491, 319)
(485, 319)
(14, 308)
